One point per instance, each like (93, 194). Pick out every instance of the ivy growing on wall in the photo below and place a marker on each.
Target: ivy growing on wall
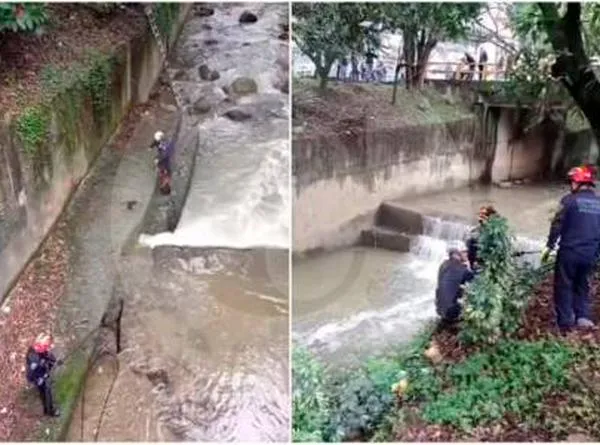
(165, 15)
(64, 92)
(32, 128)
(98, 82)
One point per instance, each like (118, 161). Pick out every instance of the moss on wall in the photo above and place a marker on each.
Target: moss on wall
(56, 122)
(166, 14)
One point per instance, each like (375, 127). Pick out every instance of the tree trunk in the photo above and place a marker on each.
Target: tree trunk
(409, 55)
(397, 74)
(423, 54)
(572, 63)
(324, 73)
(395, 89)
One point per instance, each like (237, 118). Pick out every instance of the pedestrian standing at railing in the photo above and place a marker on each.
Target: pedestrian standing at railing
(382, 72)
(344, 68)
(471, 63)
(483, 58)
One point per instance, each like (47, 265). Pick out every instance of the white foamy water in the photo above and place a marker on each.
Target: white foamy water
(391, 296)
(239, 196)
(243, 207)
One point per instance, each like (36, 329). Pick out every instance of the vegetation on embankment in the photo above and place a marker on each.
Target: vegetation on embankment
(344, 106)
(62, 39)
(68, 72)
(506, 375)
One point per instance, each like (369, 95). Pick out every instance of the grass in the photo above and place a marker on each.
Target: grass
(344, 104)
(513, 388)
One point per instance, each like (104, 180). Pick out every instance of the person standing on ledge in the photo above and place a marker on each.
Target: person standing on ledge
(452, 275)
(39, 363)
(164, 150)
(576, 227)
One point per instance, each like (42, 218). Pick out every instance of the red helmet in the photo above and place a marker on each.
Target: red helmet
(582, 175)
(42, 343)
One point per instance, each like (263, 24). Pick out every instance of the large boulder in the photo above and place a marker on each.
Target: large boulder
(238, 115)
(248, 17)
(243, 86)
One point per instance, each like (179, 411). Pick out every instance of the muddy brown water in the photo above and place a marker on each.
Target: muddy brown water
(206, 317)
(358, 302)
(205, 350)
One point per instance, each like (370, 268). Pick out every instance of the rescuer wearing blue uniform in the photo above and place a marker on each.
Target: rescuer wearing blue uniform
(577, 226)
(39, 364)
(453, 274)
(164, 152)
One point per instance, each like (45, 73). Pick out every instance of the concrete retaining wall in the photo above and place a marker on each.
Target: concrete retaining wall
(340, 180)
(34, 191)
(527, 156)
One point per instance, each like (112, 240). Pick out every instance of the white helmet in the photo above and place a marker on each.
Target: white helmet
(158, 136)
(456, 246)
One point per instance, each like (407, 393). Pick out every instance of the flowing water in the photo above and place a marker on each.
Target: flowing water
(239, 196)
(205, 324)
(359, 302)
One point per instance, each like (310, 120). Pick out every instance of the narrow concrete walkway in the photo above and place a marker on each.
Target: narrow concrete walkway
(106, 209)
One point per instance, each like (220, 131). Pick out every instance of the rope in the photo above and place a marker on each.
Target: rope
(95, 357)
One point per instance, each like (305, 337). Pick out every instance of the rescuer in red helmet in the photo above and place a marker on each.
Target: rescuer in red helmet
(576, 226)
(39, 363)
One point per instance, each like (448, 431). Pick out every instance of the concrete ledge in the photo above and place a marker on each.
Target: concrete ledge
(164, 212)
(400, 219)
(380, 237)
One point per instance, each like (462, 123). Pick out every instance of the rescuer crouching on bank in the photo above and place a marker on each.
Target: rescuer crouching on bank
(453, 274)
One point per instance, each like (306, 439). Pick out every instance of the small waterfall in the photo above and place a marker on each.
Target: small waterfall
(400, 301)
(432, 245)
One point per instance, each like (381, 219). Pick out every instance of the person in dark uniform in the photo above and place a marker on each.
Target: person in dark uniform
(164, 150)
(39, 363)
(576, 227)
(485, 212)
(452, 275)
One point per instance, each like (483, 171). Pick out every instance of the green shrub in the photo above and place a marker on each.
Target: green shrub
(580, 413)
(361, 398)
(495, 301)
(310, 404)
(22, 17)
(514, 377)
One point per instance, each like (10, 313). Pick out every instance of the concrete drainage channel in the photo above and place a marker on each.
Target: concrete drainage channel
(106, 343)
(102, 346)
(188, 377)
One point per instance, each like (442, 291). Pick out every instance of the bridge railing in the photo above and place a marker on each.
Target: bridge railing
(435, 71)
